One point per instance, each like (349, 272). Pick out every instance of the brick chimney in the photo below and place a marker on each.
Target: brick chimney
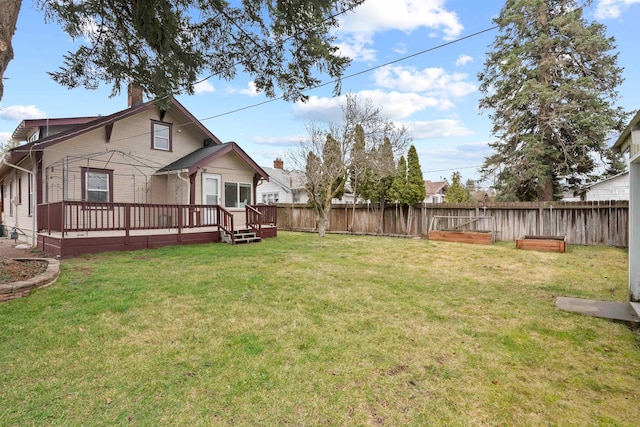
(134, 93)
(278, 163)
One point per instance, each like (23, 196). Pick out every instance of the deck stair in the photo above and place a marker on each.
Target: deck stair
(240, 236)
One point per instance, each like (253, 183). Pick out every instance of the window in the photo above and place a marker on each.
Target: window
(161, 136)
(97, 185)
(269, 198)
(236, 195)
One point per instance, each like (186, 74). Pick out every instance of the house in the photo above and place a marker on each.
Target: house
(629, 142)
(142, 177)
(436, 191)
(285, 186)
(613, 188)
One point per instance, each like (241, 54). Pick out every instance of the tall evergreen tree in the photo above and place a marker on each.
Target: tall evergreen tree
(550, 83)
(456, 192)
(376, 183)
(415, 191)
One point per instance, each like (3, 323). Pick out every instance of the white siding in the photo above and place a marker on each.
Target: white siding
(616, 188)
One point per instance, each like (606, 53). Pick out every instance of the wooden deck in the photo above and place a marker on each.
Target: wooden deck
(73, 228)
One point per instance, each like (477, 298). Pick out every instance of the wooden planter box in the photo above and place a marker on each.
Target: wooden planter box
(473, 237)
(543, 243)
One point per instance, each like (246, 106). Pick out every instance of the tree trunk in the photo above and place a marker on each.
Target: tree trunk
(409, 220)
(8, 19)
(323, 223)
(545, 192)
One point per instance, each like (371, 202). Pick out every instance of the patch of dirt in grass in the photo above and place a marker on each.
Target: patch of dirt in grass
(14, 271)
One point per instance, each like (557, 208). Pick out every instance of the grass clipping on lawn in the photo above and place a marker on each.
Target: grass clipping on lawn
(344, 330)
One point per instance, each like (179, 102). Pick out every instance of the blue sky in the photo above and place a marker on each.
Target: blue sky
(434, 94)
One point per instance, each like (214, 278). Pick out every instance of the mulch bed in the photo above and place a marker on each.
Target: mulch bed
(15, 271)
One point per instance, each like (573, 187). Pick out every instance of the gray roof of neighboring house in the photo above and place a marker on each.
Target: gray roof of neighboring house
(288, 180)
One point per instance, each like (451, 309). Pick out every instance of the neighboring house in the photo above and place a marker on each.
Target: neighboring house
(614, 188)
(142, 168)
(286, 186)
(436, 191)
(283, 186)
(629, 142)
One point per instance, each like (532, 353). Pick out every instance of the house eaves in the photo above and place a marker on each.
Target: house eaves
(624, 140)
(205, 155)
(18, 153)
(28, 126)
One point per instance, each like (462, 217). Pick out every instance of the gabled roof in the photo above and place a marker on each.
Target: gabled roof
(28, 126)
(288, 180)
(434, 187)
(203, 156)
(17, 153)
(590, 186)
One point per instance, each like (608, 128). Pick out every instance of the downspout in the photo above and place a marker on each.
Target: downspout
(34, 198)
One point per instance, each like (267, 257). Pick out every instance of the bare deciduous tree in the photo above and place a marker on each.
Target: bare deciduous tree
(328, 156)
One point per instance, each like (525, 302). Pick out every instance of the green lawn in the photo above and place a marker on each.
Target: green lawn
(338, 331)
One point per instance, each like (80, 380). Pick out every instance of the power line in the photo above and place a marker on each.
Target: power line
(452, 169)
(368, 70)
(358, 73)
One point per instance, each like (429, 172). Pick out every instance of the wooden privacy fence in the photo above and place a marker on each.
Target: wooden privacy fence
(584, 223)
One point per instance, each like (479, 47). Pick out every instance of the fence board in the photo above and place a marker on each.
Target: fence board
(583, 223)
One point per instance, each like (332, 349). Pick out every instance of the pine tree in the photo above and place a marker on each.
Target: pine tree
(550, 83)
(415, 190)
(456, 192)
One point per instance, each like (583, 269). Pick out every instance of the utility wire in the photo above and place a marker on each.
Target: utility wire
(368, 70)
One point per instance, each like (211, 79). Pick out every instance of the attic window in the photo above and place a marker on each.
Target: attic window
(161, 136)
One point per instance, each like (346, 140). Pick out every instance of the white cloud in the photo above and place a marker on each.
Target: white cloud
(463, 60)
(400, 48)
(433, 81)
(287, 141)
(203, 87)
(612, 8)
(250, 90)
(395, 105)
(21, 112)
(357, 29)
(4, 137)
(437, 129)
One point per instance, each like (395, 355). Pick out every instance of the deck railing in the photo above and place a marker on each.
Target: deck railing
(269, 214)
(77, 216)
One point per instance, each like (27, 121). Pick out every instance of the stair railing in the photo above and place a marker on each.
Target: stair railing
(225, 222)
(253, 219)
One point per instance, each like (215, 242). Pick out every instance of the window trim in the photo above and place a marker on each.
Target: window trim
(30, 195)
(169, 127)
(84, 183)
(237, 184)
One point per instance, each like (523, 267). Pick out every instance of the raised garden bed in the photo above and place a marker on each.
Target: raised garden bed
(543, 243)
(473, 237)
